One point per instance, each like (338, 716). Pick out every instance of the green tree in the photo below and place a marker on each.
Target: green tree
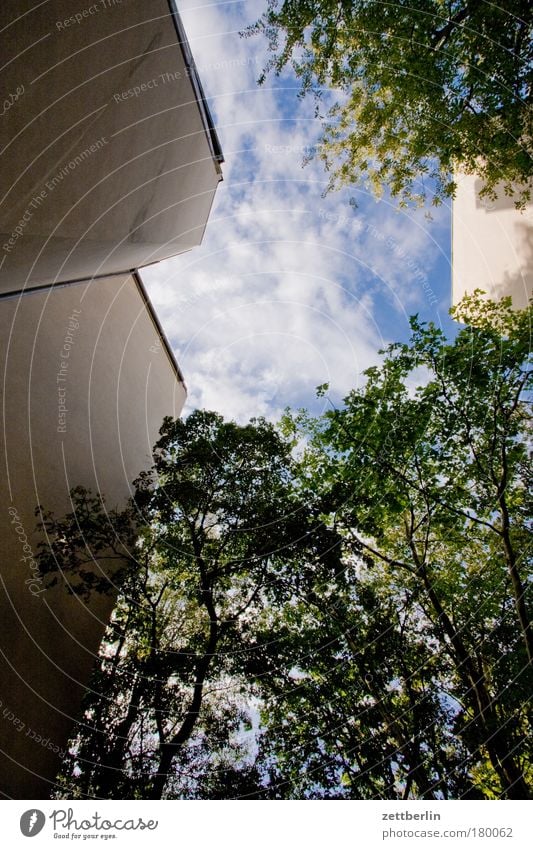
(428, 486)
(337, 608)
(352, 708)
(424, 87)
(210, 527)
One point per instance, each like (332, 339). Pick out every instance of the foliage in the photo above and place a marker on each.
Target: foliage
(211, 526)
(336, 608)
(428, 487)
(423, 88)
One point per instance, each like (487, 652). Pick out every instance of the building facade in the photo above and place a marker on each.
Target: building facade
(492, 245)
(109, 162)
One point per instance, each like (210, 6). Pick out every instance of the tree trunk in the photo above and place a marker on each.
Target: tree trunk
(519, 592)
(170, 748)
(497, 742)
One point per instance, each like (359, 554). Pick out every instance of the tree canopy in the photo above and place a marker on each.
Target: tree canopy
(424, 87)
(337, 607)
(431, 637)
(200, 548)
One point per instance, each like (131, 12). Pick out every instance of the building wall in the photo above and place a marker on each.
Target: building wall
(94, 350)
(492, 245)
(107, 159)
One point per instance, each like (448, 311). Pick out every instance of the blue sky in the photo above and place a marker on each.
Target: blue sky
(289, 289)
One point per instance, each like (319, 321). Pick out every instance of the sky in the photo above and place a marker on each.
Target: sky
(290, 289)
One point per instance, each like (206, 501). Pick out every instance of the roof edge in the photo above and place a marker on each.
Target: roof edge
(153, 315)
(134, 273)
(198, 88)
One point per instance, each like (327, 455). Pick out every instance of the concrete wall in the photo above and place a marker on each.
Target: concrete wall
(492, 245)
(94, 349)
(108, 162)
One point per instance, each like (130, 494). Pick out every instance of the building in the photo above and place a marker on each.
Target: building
(109, 162)
(492, 245)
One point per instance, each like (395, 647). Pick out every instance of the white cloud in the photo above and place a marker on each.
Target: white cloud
(289, 289)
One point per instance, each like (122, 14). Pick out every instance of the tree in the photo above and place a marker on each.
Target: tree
(428, 487)
(210, 526)
(423, 88)
(337, 608)
(351, 708)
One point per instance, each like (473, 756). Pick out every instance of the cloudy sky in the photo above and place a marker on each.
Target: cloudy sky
(289, 289)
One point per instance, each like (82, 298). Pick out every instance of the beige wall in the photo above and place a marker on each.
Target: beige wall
(119, 383)
(492, 245)
(107, 161)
